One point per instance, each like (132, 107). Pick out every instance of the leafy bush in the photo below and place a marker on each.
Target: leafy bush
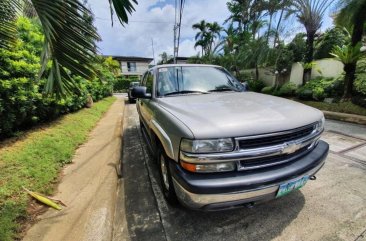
(256, 85)
(245, 76)
(304, 93)
(121, 83)
(359, 100)
(318, 94)
(287, 89)
(321, 88)
(267, 90)
(22, 103)
(360, 81)
(327, 41)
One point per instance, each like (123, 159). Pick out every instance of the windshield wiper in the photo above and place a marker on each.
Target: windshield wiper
(222, 89)
(185, 92)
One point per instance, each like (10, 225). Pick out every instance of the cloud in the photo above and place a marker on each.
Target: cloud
(153, 19)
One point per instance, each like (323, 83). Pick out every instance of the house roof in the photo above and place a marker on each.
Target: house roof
(129, 58)
(182, 58)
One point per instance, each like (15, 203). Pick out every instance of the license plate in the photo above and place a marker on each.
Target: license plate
(288, 187)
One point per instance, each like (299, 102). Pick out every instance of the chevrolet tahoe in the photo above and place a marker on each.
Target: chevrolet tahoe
(221, 146)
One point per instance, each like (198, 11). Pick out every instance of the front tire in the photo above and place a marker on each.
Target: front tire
(166, 181)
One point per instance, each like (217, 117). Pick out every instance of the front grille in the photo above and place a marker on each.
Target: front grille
(271, 161)
(277, 138)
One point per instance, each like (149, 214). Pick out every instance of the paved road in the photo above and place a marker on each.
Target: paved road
(331, 208)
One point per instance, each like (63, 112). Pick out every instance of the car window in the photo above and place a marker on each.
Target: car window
(143, 79)
(149, 82)
(201, 79)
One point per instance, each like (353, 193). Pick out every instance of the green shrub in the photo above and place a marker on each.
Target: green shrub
(245, 76)
(359, 100)
(122, 83)
(321, 88)
(267, 90)
(256, 85)
(287, 89)
(318, 94)
(304, 93)
(22, 103)
(360, 81)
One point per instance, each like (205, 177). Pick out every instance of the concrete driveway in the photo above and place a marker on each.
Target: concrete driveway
(331, 208)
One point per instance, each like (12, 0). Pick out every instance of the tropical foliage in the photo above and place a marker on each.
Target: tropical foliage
(254, 38)
(22, 103)
(310, 13)
(69, 37)
(352, 16)
(206, 36)
(329, 40)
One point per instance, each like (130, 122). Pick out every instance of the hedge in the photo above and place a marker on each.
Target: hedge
(121, 83)
(22, 103)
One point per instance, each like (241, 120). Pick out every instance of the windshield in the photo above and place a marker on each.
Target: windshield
(133, 84)
(195, 79)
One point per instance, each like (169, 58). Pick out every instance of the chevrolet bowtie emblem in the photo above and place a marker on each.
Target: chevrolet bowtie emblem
(290, 148)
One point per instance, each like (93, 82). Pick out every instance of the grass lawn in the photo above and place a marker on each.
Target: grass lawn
(343, 107)
(35, 161)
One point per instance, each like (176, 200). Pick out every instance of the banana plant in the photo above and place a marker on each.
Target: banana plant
(69, 37)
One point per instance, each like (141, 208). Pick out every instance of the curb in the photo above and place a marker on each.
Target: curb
(356, 119)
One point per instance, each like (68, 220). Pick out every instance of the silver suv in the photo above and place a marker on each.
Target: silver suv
(220, 146)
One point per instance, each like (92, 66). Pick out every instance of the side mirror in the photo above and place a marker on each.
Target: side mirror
(140, 92)
(246, 85)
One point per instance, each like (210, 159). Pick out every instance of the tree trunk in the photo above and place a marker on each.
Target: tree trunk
(277, 28)
(308, 57)
(349, 78)
(269, 27)
(350, 69)
(256, 72)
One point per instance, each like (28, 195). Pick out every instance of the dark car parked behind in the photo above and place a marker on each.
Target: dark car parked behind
(131, 99)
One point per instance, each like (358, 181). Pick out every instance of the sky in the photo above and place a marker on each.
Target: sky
(153, 21)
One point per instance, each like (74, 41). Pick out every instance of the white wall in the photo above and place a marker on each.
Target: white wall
(327, 68)
(141, 67)
(296, 73)
(323, 67)
(265, 75)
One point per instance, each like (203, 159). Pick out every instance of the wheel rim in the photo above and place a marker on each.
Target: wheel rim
(164, 172)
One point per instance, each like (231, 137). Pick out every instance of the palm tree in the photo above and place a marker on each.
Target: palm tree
(69, 37)
(310, 13)
(206, 36)
(246, 13)
(214, 32)
(352, 16)
(202, 28)
(254, 54)
(203, 44)
(284, 5)
(272, 6)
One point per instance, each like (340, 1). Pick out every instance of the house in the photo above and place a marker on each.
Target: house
(182, 60)
(132, 65)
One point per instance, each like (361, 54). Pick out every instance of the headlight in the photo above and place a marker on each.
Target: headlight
(207, 146)
(320, 125)
(215, 167)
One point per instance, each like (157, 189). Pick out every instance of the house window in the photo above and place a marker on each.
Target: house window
(131, 66)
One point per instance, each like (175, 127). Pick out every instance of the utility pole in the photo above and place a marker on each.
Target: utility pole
(175, 35)
(153, 52)
(177, 26)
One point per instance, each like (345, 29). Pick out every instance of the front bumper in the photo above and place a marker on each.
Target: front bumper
(225, 190)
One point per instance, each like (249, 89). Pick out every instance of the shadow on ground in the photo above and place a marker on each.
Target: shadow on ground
(150, 218)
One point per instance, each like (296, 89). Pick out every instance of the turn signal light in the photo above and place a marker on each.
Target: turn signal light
(205, 168)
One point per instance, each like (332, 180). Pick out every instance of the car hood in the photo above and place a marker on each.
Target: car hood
(233, 114)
